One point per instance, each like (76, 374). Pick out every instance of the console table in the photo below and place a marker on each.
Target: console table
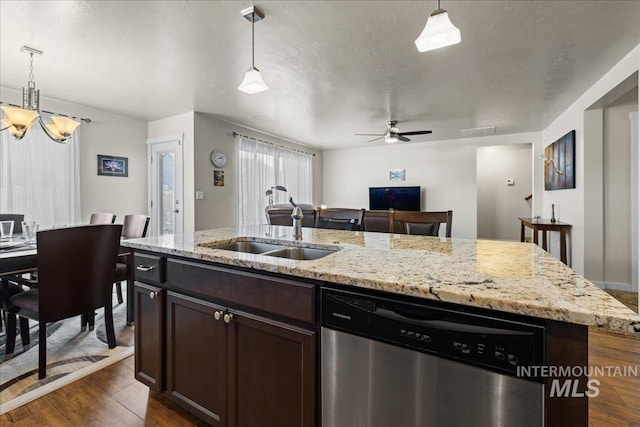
(545, 225)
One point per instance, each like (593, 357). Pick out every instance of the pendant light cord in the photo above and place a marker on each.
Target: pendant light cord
(253, 41)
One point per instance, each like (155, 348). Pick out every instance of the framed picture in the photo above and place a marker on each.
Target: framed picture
(113, 166)
(559, 163)
(396, 175)
(218, 178)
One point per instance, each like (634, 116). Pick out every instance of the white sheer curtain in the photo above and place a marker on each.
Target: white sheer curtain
(40, 178)
(262, 166)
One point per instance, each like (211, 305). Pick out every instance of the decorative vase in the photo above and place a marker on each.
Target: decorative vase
(553, 213)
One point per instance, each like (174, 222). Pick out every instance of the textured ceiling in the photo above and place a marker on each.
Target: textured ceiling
(334, 68)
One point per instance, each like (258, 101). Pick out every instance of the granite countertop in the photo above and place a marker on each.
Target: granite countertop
(506, 276)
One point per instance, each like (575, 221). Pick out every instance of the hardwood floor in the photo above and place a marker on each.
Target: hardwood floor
(112, 397)
(109, 397)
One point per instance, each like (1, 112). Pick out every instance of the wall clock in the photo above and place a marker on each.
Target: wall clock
(218, 158)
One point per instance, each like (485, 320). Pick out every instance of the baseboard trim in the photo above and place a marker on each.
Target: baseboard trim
(615, 286)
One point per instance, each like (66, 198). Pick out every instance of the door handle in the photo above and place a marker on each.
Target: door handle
(176, 210)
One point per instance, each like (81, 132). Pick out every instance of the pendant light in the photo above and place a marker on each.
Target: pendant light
(19, 120)
(438, 32)
(252, 82)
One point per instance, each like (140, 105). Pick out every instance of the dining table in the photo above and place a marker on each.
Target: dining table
(19, 257)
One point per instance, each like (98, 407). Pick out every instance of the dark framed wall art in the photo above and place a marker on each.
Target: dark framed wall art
(560, 163)
(113, 166)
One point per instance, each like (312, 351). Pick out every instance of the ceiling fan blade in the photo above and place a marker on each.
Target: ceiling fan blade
(417, 132)
(403, 138)
(375, 139)
(369, 134)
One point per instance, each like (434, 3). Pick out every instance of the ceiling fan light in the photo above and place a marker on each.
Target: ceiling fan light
(390, 139)
(64, 125)
(438, 32)
(20, 118)
(253, 82)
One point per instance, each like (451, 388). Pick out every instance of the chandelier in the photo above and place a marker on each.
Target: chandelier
(19, 120)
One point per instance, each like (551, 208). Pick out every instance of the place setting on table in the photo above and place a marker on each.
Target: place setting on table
(24, 238)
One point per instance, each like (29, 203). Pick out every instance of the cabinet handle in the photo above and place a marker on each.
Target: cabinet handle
(153, 295)
(217, 315)
(145, 267)
(228, 317)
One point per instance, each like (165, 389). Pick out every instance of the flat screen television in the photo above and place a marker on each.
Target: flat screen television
(400, 198)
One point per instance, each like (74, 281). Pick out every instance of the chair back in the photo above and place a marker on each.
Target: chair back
(135, 226)
(423, 223)
(102, 218)
(339, 218)
(17, 221)
(376, 221)
(281, 215)
(76, 269)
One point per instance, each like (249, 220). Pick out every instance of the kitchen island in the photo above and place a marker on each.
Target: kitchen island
(264, 309)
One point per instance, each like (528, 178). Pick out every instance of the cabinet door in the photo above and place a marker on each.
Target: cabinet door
(271, 373)
(197, 357)
(149, 318)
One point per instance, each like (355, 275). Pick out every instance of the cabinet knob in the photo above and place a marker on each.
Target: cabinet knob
(217, 315)
(153, 295)
(228, 317)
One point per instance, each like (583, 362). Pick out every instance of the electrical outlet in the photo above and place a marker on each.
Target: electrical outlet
(199, 195)
(511, 182)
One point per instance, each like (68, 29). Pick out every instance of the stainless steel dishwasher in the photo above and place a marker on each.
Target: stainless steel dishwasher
(393, 363)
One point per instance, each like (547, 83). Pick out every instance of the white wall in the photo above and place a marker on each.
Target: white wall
(219, 207)
(181, 124)
(570, 204)
(500, 205)
(109, 134)
(617, 191)
(446, 171)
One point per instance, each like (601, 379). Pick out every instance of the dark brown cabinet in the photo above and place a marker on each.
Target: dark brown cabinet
(217, 342)
(271, 373)
(149, 342)
(197, 357)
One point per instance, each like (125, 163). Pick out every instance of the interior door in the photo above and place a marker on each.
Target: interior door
(165, 185)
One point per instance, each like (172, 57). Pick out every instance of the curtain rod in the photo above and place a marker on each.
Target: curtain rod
(271, 143)
(86, 120)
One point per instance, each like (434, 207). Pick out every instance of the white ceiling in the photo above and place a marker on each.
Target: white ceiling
(334, 68)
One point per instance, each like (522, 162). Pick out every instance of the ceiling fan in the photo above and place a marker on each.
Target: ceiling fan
(393, 133)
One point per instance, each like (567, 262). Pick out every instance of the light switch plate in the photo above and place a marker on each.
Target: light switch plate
(199, 195)
(511, 182)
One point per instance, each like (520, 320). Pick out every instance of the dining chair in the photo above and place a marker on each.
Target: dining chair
(134, 226)
(72, 282)
(17, 221)
(422, 223)
(9, 317)
(281, 215)
(102, 218)
(340, 218)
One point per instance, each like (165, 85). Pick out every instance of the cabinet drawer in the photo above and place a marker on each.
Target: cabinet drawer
(150, 268)
(280, 296)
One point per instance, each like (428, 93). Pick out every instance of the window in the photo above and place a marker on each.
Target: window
(261, 166)
(40, 178)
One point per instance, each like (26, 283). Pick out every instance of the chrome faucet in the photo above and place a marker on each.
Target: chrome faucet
(297, 216)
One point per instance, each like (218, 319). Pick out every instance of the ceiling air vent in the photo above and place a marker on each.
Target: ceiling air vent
(489, 130)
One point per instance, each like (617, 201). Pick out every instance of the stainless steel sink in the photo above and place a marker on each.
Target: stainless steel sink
(249, 247)
(275, 250)
(300, 253)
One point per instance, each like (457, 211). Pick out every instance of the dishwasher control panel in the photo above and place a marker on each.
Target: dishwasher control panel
(483, 340)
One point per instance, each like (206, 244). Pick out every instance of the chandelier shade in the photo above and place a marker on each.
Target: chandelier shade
(438, 32)
(19, 120)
